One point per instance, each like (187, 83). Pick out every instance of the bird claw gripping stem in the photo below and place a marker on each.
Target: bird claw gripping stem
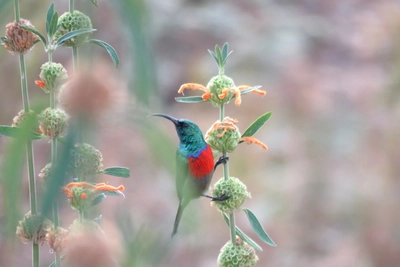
(221, 160)
(222, 197)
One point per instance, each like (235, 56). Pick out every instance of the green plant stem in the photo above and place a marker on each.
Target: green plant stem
(16, 10)
(232, 225)
(75, 57)
(71, 6)
(29, 148)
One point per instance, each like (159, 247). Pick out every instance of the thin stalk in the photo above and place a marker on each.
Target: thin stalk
(232, 225)
(29, 147)
(16, 10)
(75, 57)
(71, 6)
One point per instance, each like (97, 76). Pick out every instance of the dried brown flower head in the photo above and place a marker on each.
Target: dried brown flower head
(17, 39)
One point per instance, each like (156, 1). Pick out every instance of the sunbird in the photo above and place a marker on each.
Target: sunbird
(194, 165)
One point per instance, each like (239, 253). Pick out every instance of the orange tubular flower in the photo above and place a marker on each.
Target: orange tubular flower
(252, 140)
(40, 83)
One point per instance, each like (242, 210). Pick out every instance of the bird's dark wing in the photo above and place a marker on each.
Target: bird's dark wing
(182, 170)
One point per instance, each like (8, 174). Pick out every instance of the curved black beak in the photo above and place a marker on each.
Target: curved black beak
(175, 121)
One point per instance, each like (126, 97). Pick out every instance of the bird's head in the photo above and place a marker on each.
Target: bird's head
(187, 130)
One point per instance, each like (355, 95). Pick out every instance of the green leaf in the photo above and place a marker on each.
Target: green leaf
(53, 27)
(246, 91)
(110, 50)
(213, 55)
(225, 51)
(117, 171)
(49, 17)
(98, 199)
(35, 32)
(242, 235)
(4, 39)
(54, 263)
(258, 229)
(72, 34)
(257, 124)
(189, 99)
(95, 3)
(17, 132)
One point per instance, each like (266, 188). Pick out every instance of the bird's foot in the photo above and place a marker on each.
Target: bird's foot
(221, 160)
(222, 197)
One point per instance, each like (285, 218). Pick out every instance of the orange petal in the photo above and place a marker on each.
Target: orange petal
(67, 192)
(83, 196)
(206, 96)
(192, 86)
(40, 83)
(252, 140)
(238, 100)
(224, 93)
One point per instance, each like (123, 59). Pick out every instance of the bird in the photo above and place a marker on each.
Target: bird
(194, 165)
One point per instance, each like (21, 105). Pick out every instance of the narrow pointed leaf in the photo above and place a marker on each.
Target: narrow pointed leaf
(4, 39)
(257, 124)
(118, 171)
(219, 55)
(242, 235)
(213, 55)
(246, 91)
(225, 51)
(98, 219)
(72, 34)
(17, 132)
(49, 16)
(110, 50)
(258, 229)
(189, 99)
(35, 32)
(53, 26)
(99, 199)
(95, 3)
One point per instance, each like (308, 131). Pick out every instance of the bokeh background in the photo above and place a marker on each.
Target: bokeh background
(326, 191)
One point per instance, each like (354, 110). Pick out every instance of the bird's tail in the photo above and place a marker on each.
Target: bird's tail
(178, 217)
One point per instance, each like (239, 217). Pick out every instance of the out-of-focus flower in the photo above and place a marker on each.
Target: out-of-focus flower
(26, 117)
(57, 239)
(17, 39)
(33, 228)
(82, 195)
(85, 161)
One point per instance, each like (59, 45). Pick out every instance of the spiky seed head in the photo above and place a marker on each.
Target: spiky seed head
(33, 228)
(234, 188)
(239, 254)
(52, 122)
(223, 136)
(85, 161)
(18, 40)
(72, 21)
(216, 86)
(52, 75)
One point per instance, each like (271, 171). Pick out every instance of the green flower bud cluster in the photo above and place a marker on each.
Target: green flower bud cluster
(69, 22)
(223, 136)
(234, 188)
(241, 254)
(85, 161)
(82, 198)
(216, 86)
(53, 75)
(33, 228)
(52, 122)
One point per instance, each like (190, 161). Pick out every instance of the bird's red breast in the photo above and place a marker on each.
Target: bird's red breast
(203, 164)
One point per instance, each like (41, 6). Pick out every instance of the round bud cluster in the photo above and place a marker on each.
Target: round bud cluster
(19, 40)
(235, 189)
(29, 117)
(69, 22)
(241, 254)
(33, 228)
(82, 198)
(223, 136)
(45, 173)
(52, 75)
(216, 86)
(85, 161)
(52, 122)
(57, 238)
